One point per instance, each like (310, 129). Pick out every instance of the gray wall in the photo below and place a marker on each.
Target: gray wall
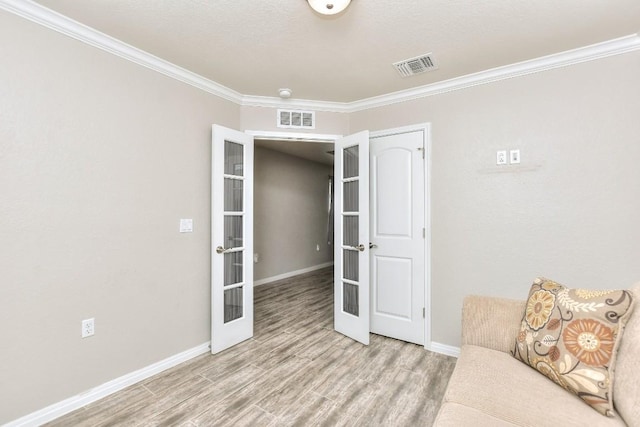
(99, 159)
(290, 213)
(568, 212)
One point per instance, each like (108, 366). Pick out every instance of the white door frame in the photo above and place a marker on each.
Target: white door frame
(426, 129)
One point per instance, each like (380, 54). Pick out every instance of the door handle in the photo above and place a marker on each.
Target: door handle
(372, 245)
(221, 250)
(360, 247)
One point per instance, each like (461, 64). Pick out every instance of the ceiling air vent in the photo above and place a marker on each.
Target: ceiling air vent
(293, 119)
(417, 65)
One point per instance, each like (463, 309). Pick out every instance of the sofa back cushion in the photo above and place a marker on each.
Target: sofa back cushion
(626, 384)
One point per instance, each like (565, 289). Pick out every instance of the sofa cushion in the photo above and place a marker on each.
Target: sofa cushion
(571, 336)
(496, 384)
(456, 415)
(626, 387)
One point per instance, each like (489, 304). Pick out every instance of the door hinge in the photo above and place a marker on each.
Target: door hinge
(421, 149)
(423, 312)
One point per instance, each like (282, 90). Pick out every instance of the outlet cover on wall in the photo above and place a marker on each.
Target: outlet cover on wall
(501, 157)
(88, 327)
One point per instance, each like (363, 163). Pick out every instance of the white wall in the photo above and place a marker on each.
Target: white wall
(99, 159)
(568, 212)
(290, 213)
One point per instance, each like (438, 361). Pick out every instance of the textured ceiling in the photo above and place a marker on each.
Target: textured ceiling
(258, 46)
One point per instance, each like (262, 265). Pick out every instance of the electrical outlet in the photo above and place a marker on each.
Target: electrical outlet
(501, 157)
(256, 258)
(88, 327)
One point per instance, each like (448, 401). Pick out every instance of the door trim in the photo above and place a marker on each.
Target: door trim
(425, 128)
(293, 136)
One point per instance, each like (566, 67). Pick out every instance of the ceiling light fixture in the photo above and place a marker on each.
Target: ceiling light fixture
(284, 93)
(329, 7)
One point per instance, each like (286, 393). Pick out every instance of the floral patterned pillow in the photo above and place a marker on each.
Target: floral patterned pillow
(571, 336)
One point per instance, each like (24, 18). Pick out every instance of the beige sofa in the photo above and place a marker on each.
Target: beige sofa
(491, 388)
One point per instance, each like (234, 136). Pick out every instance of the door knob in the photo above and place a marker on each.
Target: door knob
(372, 245)
(360, 247)
(221, 250)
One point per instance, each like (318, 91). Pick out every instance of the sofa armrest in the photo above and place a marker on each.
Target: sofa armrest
(491, 322)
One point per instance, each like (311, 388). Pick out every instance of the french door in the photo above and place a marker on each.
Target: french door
(231, 238)
(351, 264)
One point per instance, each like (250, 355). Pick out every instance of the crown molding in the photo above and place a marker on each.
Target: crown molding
(303, 104)
(62, 24)
(563, 59)
(55, 21)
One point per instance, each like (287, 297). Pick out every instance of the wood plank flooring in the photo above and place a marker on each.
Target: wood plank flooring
(296, 371)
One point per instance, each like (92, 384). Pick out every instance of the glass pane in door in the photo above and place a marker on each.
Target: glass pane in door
(350, 161)
(233, 304)
(232, 268)
(350, 264)
(351, 196)
(233, 195)
(232, 231)
(233, 157)
(350, 298)
(350, 230)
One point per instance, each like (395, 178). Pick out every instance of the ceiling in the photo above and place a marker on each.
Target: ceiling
(256, 47)
(321, 152)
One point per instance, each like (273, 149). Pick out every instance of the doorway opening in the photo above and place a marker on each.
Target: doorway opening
(298, 231)
(292, 227)
(293, 236)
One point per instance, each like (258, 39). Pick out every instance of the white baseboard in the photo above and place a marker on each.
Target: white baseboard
(76, 402)
(449, 350)
(291, 274)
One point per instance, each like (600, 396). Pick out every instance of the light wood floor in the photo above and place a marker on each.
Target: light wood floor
(295, 371)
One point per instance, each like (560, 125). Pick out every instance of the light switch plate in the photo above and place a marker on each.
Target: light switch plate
(514, 156)
(186, 225)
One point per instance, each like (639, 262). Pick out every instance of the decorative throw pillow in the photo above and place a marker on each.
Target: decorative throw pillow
(571, 336)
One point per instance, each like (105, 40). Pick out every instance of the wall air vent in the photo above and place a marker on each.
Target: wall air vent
(293, 119)
(417, 65)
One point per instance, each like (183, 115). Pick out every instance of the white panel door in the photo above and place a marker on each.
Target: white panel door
(351, 281)
(398, 246)
(231, 238)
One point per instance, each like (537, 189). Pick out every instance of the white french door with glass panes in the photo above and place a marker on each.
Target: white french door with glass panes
(351, 264)
(231, 238)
